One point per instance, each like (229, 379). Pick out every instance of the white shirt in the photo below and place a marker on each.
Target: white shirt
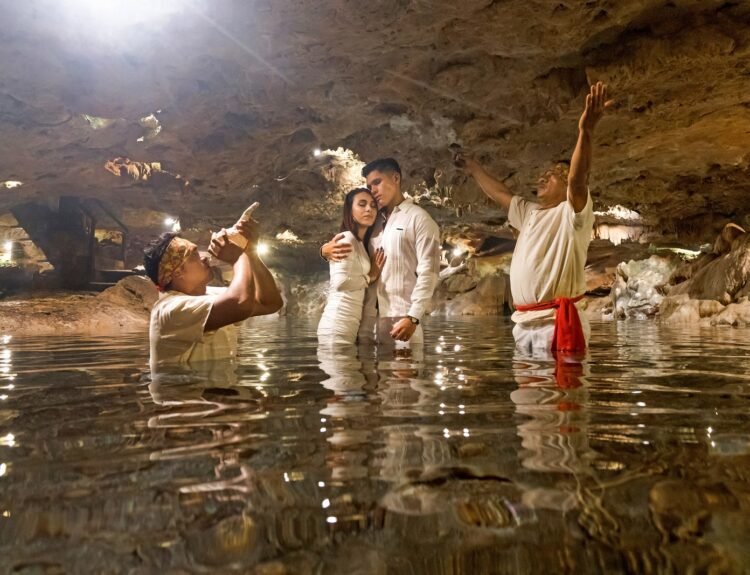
(349, 279)
(176, 331)
(411, 242)
(550, 255)
(351, 273)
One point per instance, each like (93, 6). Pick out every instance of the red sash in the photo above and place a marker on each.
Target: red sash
(568, 336)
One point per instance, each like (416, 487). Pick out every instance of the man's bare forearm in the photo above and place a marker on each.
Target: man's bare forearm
(493, 188)
(242, 286)
(580, 168)
(266, 292)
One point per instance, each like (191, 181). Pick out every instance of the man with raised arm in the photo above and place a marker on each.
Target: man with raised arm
(192, 322)
(547, 271)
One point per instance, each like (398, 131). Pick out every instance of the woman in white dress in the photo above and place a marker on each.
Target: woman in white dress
(351, 276)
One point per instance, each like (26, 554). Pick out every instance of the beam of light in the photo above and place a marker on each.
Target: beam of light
(245, 48)
(112, 20)
(263, 249)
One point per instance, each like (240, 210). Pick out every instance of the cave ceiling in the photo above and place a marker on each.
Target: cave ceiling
(195, 108)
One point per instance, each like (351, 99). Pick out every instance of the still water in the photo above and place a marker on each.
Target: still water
(469, 460)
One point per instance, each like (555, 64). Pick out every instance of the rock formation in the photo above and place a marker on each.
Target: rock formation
(186, 112)
(253, 100)
(715, 288)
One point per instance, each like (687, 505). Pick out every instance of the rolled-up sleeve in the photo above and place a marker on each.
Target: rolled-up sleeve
(427, 247)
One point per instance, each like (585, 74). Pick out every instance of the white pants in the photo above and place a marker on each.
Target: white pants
(535, 337)
(341, 317)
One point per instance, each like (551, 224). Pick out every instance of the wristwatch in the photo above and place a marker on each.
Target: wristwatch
(413, 320)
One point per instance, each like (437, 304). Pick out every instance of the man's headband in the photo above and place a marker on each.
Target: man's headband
(176, 254)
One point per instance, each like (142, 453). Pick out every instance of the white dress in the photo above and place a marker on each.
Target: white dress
(346, 294)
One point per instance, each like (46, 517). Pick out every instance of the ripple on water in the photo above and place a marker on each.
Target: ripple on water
(470, 459)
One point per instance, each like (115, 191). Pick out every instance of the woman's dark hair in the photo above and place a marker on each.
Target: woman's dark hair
(347, 222)
(153, 253)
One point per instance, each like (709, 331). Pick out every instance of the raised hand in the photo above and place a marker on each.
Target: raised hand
(465, 163)
(222, 249)
(596, 104)
(250, 229)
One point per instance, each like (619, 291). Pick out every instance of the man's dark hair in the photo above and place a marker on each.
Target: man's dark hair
(388, 165)
(153, 253)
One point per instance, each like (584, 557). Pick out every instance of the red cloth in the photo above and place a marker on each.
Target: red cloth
(568, 336)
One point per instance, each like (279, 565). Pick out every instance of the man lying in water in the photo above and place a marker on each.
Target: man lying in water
(193, 322)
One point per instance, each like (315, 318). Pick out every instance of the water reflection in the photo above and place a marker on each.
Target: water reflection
(293, 458)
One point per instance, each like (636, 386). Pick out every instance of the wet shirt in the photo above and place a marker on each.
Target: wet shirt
(342, 315)
(352, 273)
(176, 330)
(550, 255)
(410, 239)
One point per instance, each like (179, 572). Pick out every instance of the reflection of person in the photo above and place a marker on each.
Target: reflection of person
(350, 439)
(350, 277)
(192, 322)
(547, 272)
(343, 368)
(409, 399)
(410, 239)
(554, 438)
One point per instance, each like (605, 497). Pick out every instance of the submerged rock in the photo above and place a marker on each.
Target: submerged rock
(231, 542)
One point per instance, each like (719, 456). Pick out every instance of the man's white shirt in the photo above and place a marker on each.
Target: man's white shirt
(410, 239)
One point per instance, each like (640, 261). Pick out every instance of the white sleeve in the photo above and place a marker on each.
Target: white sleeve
(584, 218)
(348, 275)
(427, 247)
(517, 212)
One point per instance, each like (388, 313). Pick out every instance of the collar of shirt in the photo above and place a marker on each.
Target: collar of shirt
(403, 206)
